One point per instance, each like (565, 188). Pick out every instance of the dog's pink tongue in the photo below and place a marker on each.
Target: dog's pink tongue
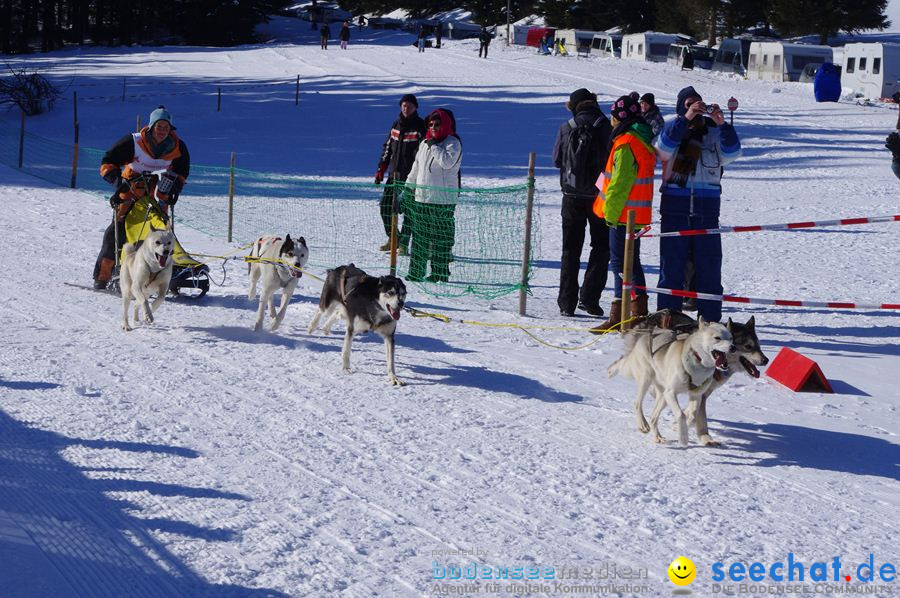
(751, 369)
(395, 313)
(162, 260)
(721, 360)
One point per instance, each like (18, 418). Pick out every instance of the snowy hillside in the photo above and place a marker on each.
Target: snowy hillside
(194, 457)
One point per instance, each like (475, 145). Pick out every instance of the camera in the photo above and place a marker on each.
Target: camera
(710, 108)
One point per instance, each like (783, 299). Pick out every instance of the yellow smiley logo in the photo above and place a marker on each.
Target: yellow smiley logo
(682, 571)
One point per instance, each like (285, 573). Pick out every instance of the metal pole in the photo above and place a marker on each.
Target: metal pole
(74, 159)
(297, 95)
(526, 251)
(123, 89)
(231, 198)
(22, 138)
(75, 106)
(219, 104)
(138, 124)
(732, 117)
(626, 275)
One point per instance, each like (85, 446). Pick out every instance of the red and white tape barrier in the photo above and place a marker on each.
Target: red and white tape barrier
(762, 301)
(785, 226)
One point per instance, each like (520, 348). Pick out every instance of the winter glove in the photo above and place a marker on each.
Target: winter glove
(177, 186)
(893, 143)
(114, 177)
(379, 174)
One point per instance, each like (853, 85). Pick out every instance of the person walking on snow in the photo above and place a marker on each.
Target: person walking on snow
(579, 168)
(156, 147)
(626, 185)
(695, 148)
(485, 38)
(344, 35)
(397, 157)
(438, 33)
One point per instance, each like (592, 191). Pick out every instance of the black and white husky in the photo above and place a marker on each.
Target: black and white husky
(672, 363)
(366, 303)
(277, 262)
(146, 268)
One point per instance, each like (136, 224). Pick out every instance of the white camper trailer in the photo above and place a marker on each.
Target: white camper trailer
(607, 45)
(650, 45)
(872, 70)
(778, 61)
(577, 40)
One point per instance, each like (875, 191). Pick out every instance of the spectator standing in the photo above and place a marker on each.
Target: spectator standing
(420, 40)
(695, 145)
(344, 35)
(651, 114)
(626, 184)
(397, 157)
(324, 34)
(438, 33)
(361, 22)
(485, 38)
(893, 143)
(155, 147)
(435, 178)
(580, 151)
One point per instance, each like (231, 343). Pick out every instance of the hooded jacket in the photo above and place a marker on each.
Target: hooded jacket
(586, 113)
(435, 171)
(136, 152)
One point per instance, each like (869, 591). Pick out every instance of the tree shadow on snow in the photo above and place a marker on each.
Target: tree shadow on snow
(27, 385)
(62, 535)
(485, 379)
(798, 446)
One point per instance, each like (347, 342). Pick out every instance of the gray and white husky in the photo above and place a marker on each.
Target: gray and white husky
(672, 363)
(146, 268)
(277, 262)
(366, 303)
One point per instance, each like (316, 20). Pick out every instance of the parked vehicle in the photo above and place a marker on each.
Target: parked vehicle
(607, 45)
(577, 39)
(651, 45)
(689, 56)
(872, 70)
(732, 55)
(779, 61)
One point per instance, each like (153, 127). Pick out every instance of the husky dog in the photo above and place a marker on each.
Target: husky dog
(748, 355)
(672, 363)
(367, 303)
(147, 267)
(277, 262)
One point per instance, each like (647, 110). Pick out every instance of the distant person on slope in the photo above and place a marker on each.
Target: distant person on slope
(156, 147)
(324, 34)
(344, 35)
(397, 157)
(485, 38)
(893, 142)
(420, 39)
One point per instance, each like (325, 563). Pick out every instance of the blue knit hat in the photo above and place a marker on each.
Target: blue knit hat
(161, 114)
(684, 94)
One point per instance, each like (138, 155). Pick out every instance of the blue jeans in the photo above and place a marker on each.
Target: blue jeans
(617, 236)
(707, 252)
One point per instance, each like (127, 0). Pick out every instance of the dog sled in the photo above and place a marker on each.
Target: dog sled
(190, 278)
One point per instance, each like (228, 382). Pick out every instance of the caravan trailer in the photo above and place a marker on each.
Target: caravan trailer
(778, 61)
(577, 39)
(872, 70)
(650, 45)
(689, 56)
(607, 45)
(732, 55)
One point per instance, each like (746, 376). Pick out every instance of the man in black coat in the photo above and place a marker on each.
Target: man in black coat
(579, 192)
(397, 157)
(485, 38)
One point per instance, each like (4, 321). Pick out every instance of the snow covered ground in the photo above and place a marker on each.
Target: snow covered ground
(194, 457)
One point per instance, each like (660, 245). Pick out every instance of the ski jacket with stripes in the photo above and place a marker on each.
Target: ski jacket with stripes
(627, 181)
(399, 151)
(134, 153)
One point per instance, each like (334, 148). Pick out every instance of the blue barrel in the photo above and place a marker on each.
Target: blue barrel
(827, 84)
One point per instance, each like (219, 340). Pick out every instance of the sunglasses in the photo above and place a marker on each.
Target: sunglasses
(434, 123)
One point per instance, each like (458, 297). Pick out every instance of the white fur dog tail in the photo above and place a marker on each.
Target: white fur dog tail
(129, 249)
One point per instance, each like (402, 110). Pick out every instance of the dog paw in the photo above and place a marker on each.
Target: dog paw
(644, 427)
(258, 327)
(659, 439)
(395, 381)
(126, 328)
(706, 440)
(348, 371)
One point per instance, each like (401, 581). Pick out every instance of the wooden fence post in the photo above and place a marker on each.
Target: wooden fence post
(231, 199)
(123, 89)
(22, 138)
(219, 103)
(526, 251)
(297, 95)
(74, 159)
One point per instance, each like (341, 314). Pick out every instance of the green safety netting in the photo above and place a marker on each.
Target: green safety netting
(473, 248)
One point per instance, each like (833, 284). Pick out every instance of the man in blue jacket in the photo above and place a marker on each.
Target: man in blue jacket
(695, 146)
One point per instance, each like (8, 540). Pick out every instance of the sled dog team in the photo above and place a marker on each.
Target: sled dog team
(667, 353)
(276, 264)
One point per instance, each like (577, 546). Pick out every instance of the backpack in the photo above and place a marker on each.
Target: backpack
(584, 154)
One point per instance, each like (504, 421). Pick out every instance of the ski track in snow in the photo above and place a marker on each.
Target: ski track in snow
(196, 457)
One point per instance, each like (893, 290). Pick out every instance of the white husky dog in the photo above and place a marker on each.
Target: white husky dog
(147, 268)
(277, 262)
(672, 364)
